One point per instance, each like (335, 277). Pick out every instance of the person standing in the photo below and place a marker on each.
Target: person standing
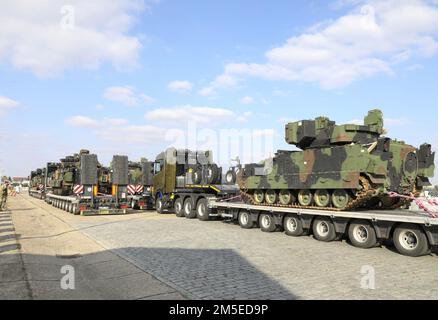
(4, 195)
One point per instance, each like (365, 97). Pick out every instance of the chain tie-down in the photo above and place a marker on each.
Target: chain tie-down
(419, 202)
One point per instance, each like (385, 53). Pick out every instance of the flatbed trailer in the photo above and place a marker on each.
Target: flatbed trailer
(86, 205)
(38, 194)
(413, 233)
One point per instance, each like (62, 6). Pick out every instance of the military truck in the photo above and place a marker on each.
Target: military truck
(184, 181)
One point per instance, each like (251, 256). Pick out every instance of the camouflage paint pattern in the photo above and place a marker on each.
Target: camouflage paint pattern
(336, 156)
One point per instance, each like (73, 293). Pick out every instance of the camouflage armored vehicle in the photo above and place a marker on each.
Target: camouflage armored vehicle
(37, 180)
(104, 180)
(340, 167)
(140, 175)
(67, 174)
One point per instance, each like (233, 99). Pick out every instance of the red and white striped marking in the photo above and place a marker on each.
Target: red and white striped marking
(41, 187)
(139, 189)
(78, 189)
(132, 189)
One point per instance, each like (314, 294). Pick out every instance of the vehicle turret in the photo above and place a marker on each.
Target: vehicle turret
(322, 132)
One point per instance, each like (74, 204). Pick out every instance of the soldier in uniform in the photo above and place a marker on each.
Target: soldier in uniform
(4, 195)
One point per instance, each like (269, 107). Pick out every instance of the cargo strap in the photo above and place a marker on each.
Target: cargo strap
(419, 202)
(230, 199)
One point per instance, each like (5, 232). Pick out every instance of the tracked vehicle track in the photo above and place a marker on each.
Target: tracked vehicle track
(362, 199)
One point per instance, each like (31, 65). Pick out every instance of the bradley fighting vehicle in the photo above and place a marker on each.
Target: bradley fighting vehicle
(340, 167)
(67, 174)
(37, 182)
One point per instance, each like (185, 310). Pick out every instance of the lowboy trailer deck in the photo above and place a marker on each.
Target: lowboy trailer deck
(87, 205)
(413, 233)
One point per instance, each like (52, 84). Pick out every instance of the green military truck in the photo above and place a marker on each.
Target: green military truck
(185, 181)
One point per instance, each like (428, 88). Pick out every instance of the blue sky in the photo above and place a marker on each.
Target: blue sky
(118, 77)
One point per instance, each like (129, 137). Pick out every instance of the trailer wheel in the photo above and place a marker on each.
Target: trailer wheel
(267, 222)
(324, 229)
(245, 220)
(159, 205)
(362, 234)
(202, 211)
(293, 226)
(188, 209)
(76, 209)
(410, 240)
(178, 206)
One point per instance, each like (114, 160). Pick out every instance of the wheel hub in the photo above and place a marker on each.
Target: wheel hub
(323, 229)
(361, 234)
(266, 222)
(408, 240)
(292, 224)
(244, 218)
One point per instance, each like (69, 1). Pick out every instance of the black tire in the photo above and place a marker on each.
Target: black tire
(178, 206)
(197, 176)
(245, 220)
(324, 229)
(293, 225)
(267, 222)
(230, 177)
(362, 234)
(202, 211)
(188, 209)
(159, 205)
(212, 174)
(410, 240)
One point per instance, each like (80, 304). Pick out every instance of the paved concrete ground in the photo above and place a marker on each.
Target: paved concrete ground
(218, 260)
(36, 242)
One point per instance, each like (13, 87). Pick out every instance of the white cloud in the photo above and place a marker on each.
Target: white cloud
(188, 113)
(82, 121)
(369, 40)
(100, 107)
(127, 96)
(87, 122)
(247, 100)
(285, 120)
(223, 81)
(397, 122)
(132, 134)
(119, 130)
(244, 118)
(180, 86)
(7, 104)
(48, 38)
